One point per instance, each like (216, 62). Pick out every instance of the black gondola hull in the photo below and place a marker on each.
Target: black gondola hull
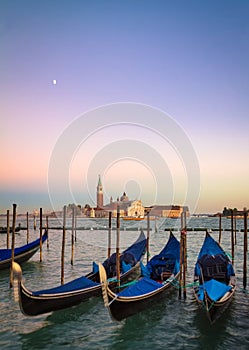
(120, 309)
(24, 256)
(18, 258)
(4, 230)
(159, 276)
(33, 305)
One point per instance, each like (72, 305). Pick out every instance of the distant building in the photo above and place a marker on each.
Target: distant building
(133, 208)
(228, 212)
(130, 208)
(127, 207)
(73, 207)
(170, 211)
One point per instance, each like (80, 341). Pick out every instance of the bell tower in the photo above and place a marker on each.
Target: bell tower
(100, 201)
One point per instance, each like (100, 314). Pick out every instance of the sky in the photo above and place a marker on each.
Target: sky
(151, 95)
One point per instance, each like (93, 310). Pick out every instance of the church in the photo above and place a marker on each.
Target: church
(131, 208)
(127, 207)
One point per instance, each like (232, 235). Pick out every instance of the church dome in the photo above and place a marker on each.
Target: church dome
(124, 198)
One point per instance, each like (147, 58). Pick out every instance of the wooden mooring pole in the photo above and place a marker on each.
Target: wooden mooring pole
(34, 221)
(72, 236)
(13, 245)
(235, 229)
(63, 244)
(183, 257)
(184, 233)
(220, 228)
(47, 231)
(109, 235)
(8, 229)
(181, 261)
(40, 234)
(232, 237)
(27, 222)
(117, 246)
(75, 227)
(184, 236)
(148, 238)
(245, 250)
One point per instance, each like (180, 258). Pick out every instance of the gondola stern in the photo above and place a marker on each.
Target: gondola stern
(17, 270)
(17, 278)
(106, 293)
(104, 284)
(18, 287)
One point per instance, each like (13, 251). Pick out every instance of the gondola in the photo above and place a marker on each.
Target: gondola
(4, 229)
(214, 279)
(34, 303)
(158, 276)
(21, 254)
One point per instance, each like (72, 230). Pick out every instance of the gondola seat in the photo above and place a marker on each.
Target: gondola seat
(162, 268)
(214, 267)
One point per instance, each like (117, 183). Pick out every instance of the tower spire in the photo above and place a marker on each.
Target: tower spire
(99, 182)
(100, 201)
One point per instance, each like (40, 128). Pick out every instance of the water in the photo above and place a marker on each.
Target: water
(171, 324)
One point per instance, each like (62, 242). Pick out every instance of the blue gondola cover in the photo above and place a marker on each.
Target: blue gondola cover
(143, 286)
(214, 289)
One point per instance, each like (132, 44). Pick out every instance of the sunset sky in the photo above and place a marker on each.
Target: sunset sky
(151, 95)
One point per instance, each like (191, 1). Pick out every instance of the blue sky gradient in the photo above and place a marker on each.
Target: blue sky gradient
(187, 58)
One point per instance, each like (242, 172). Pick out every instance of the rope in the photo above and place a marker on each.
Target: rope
(175, 283)
(211, 306)
(126, 284)
(229, 255)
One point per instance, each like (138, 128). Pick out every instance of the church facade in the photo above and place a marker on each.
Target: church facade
(127, 207)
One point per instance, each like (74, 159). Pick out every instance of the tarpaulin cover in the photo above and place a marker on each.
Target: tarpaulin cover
(143, 286)
(169, 254)
(166, 260)
(210, 247)
(212, 259)
(214, 289)
(77, 284)
(130, 256)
